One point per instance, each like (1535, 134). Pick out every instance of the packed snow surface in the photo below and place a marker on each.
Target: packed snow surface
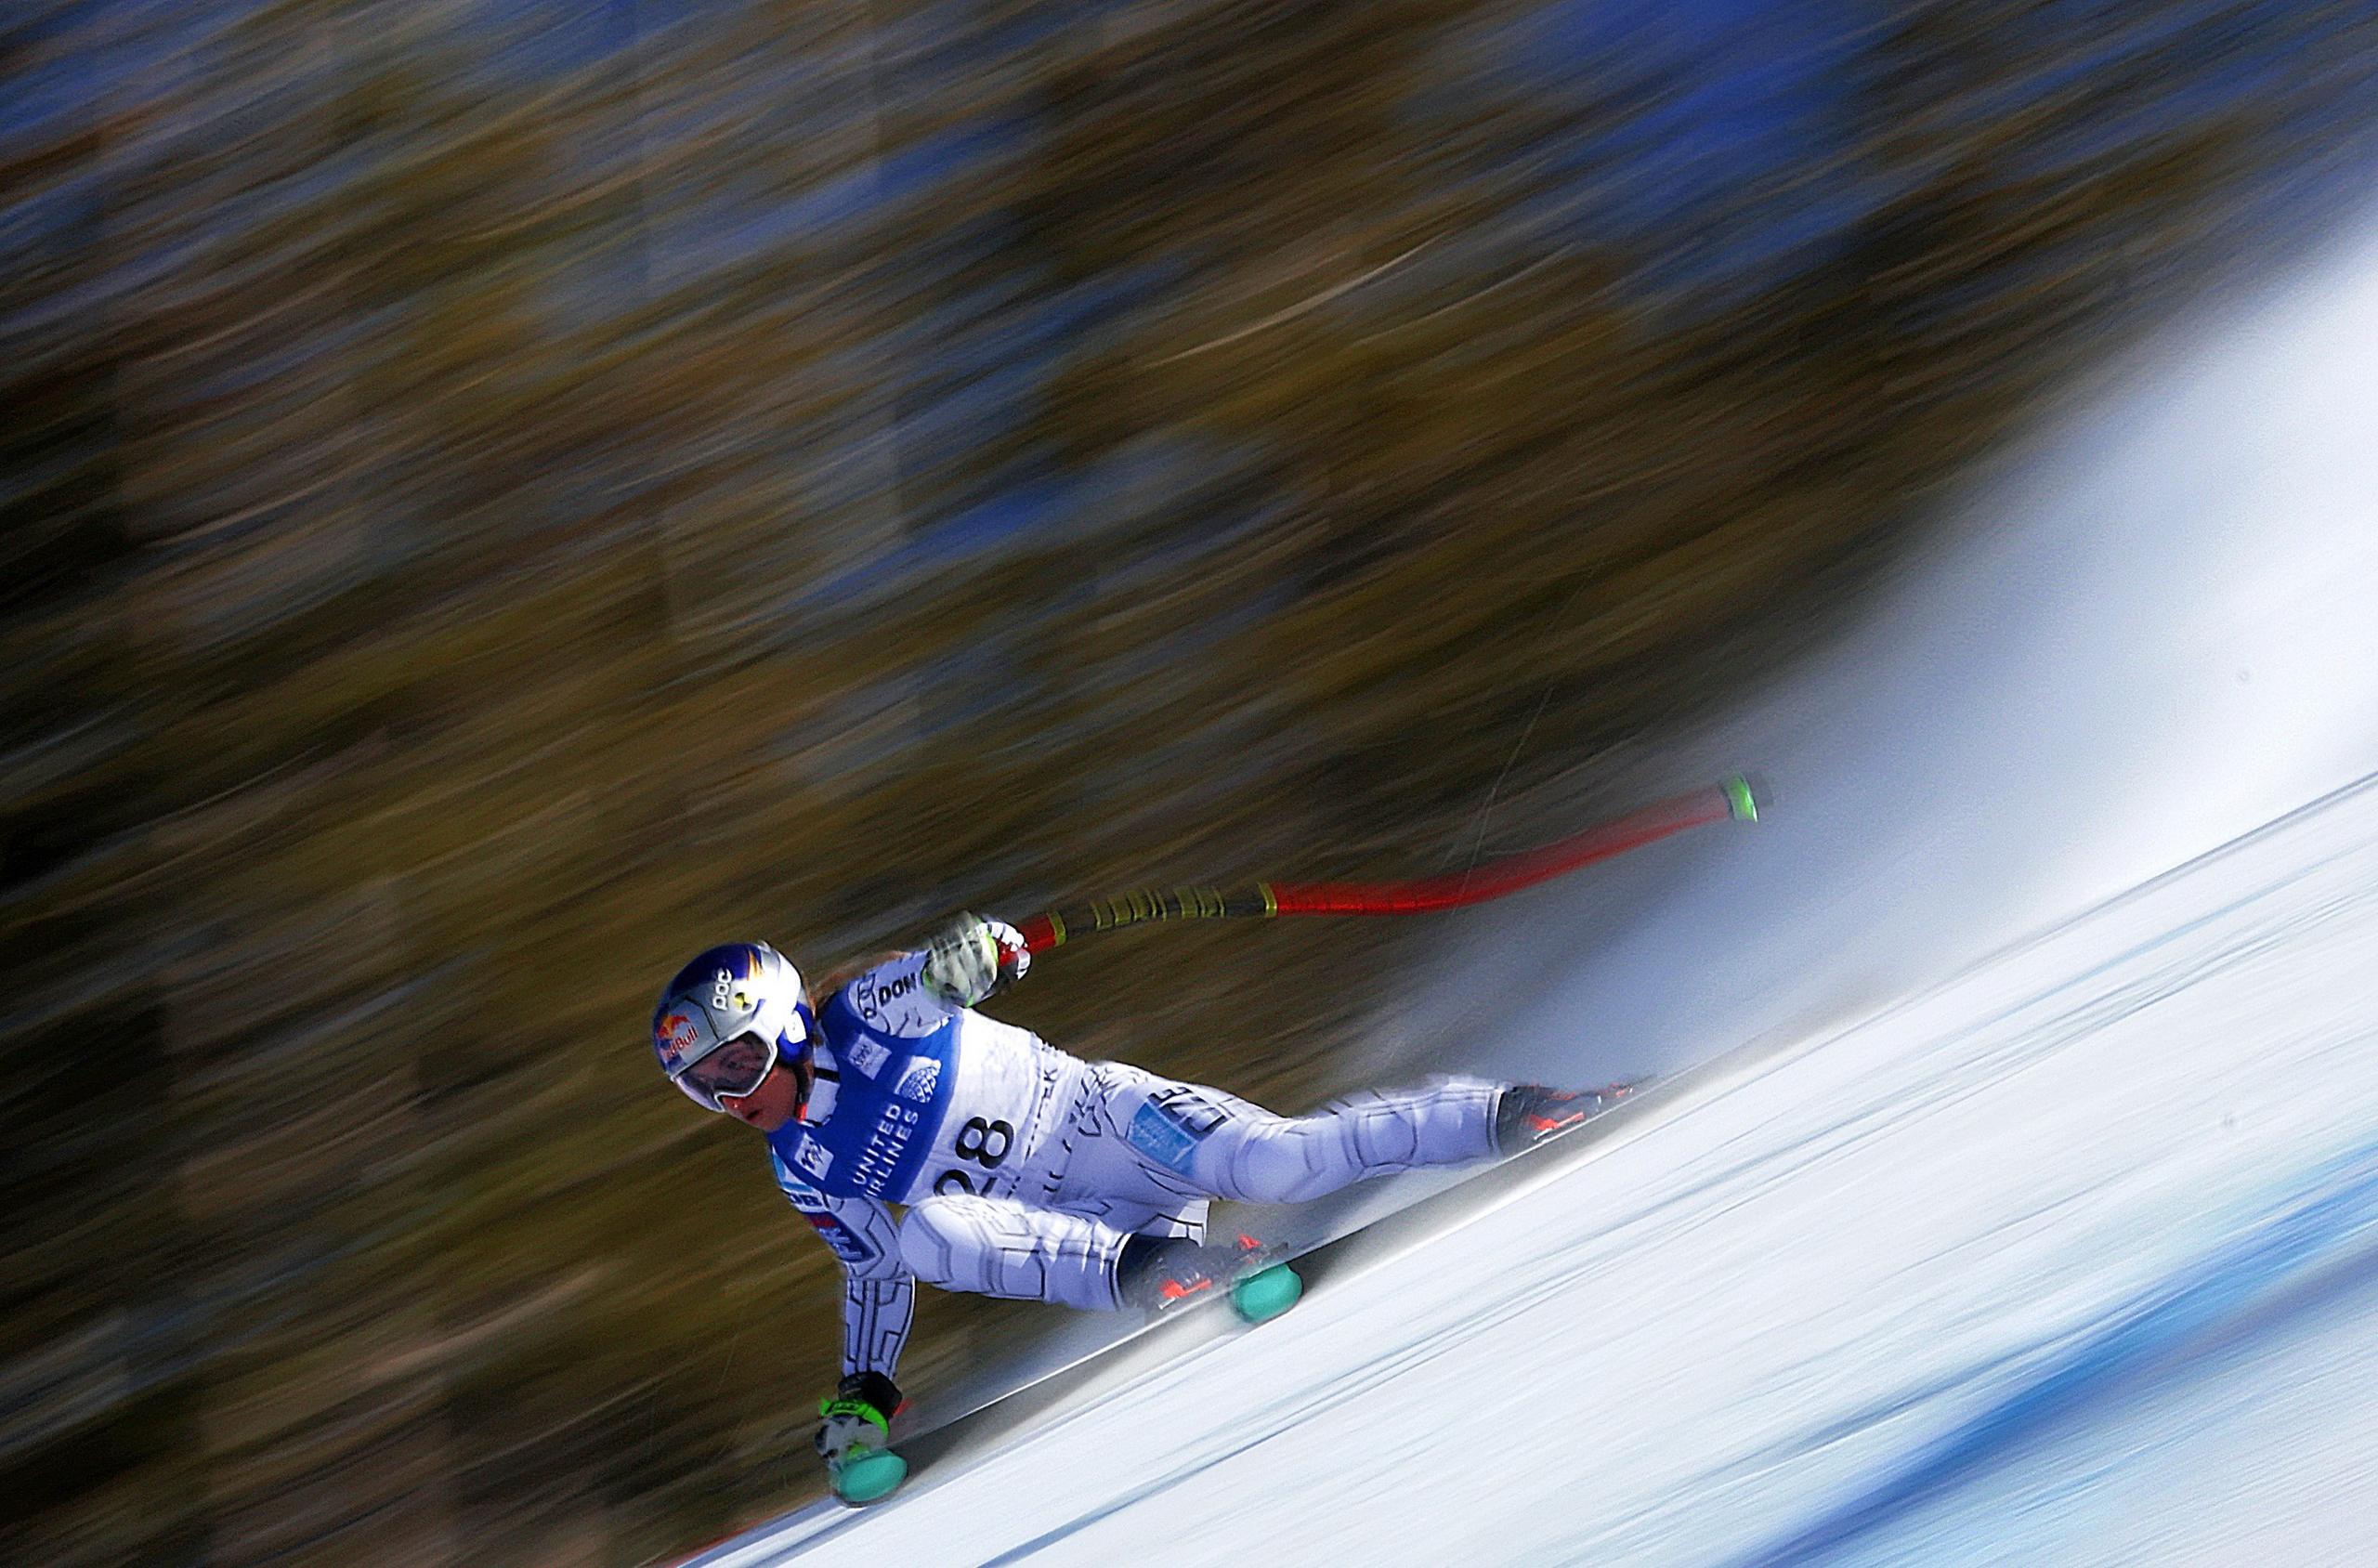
(2072, 1259)
(2033, 1215)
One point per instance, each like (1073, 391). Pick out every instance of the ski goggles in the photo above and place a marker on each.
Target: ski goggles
(740, 1066)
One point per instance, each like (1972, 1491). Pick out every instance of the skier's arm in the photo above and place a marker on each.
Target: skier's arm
(914, 993)
(879, 1294)
(879, 1301)
(878, 1304)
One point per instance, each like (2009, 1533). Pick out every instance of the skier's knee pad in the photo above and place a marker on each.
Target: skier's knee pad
(1272, 1160)
(1290, 1159)
(942, 1239)
(994, 1247)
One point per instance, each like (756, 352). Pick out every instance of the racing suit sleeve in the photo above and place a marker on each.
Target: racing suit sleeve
(879, 1294)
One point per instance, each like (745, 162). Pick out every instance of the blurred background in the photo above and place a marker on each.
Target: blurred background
(498, 497)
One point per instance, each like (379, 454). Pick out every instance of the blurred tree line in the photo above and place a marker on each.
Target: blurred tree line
(497, 497)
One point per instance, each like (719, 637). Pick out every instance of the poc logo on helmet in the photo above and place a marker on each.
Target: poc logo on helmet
(720, 991)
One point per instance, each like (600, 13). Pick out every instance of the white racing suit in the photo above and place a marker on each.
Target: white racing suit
(1023, 1171)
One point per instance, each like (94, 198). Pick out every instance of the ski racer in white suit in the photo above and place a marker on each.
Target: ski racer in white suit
(1022, 1171)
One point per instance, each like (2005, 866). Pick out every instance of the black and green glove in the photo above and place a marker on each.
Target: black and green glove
(859, 1416)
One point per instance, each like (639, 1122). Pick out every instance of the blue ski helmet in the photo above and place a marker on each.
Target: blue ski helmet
(735, 992)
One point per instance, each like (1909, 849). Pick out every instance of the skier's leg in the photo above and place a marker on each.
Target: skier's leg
(1103, 1179)
(1233, 1149)
(996, 1246)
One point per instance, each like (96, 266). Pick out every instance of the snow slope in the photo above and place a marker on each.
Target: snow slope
(2071, 1256)
(2072, 1259)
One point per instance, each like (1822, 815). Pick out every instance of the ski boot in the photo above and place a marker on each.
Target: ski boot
(1158, 1274)
(1527, 1114)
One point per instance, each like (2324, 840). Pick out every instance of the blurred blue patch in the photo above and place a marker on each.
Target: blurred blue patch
(1710, 114)
(2271, 1266)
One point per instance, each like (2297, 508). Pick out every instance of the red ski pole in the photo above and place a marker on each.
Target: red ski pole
(1732, 798)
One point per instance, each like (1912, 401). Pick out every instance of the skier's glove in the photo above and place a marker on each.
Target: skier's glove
(972, 957)
(859, 1416)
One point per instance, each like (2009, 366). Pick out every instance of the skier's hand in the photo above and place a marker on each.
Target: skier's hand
(972, 957)
(859, 1416)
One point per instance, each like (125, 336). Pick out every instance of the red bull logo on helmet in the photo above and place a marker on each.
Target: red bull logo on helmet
(674, 1034)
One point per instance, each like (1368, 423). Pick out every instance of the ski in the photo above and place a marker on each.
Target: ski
(873, 1475)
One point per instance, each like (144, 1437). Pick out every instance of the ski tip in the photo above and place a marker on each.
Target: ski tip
(870, 1475)
(1744, 793)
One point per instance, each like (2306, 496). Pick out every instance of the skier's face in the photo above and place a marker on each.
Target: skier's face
(734, 1068)
(771, 1104)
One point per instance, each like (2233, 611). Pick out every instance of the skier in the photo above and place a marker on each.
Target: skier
(1024, 1172)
